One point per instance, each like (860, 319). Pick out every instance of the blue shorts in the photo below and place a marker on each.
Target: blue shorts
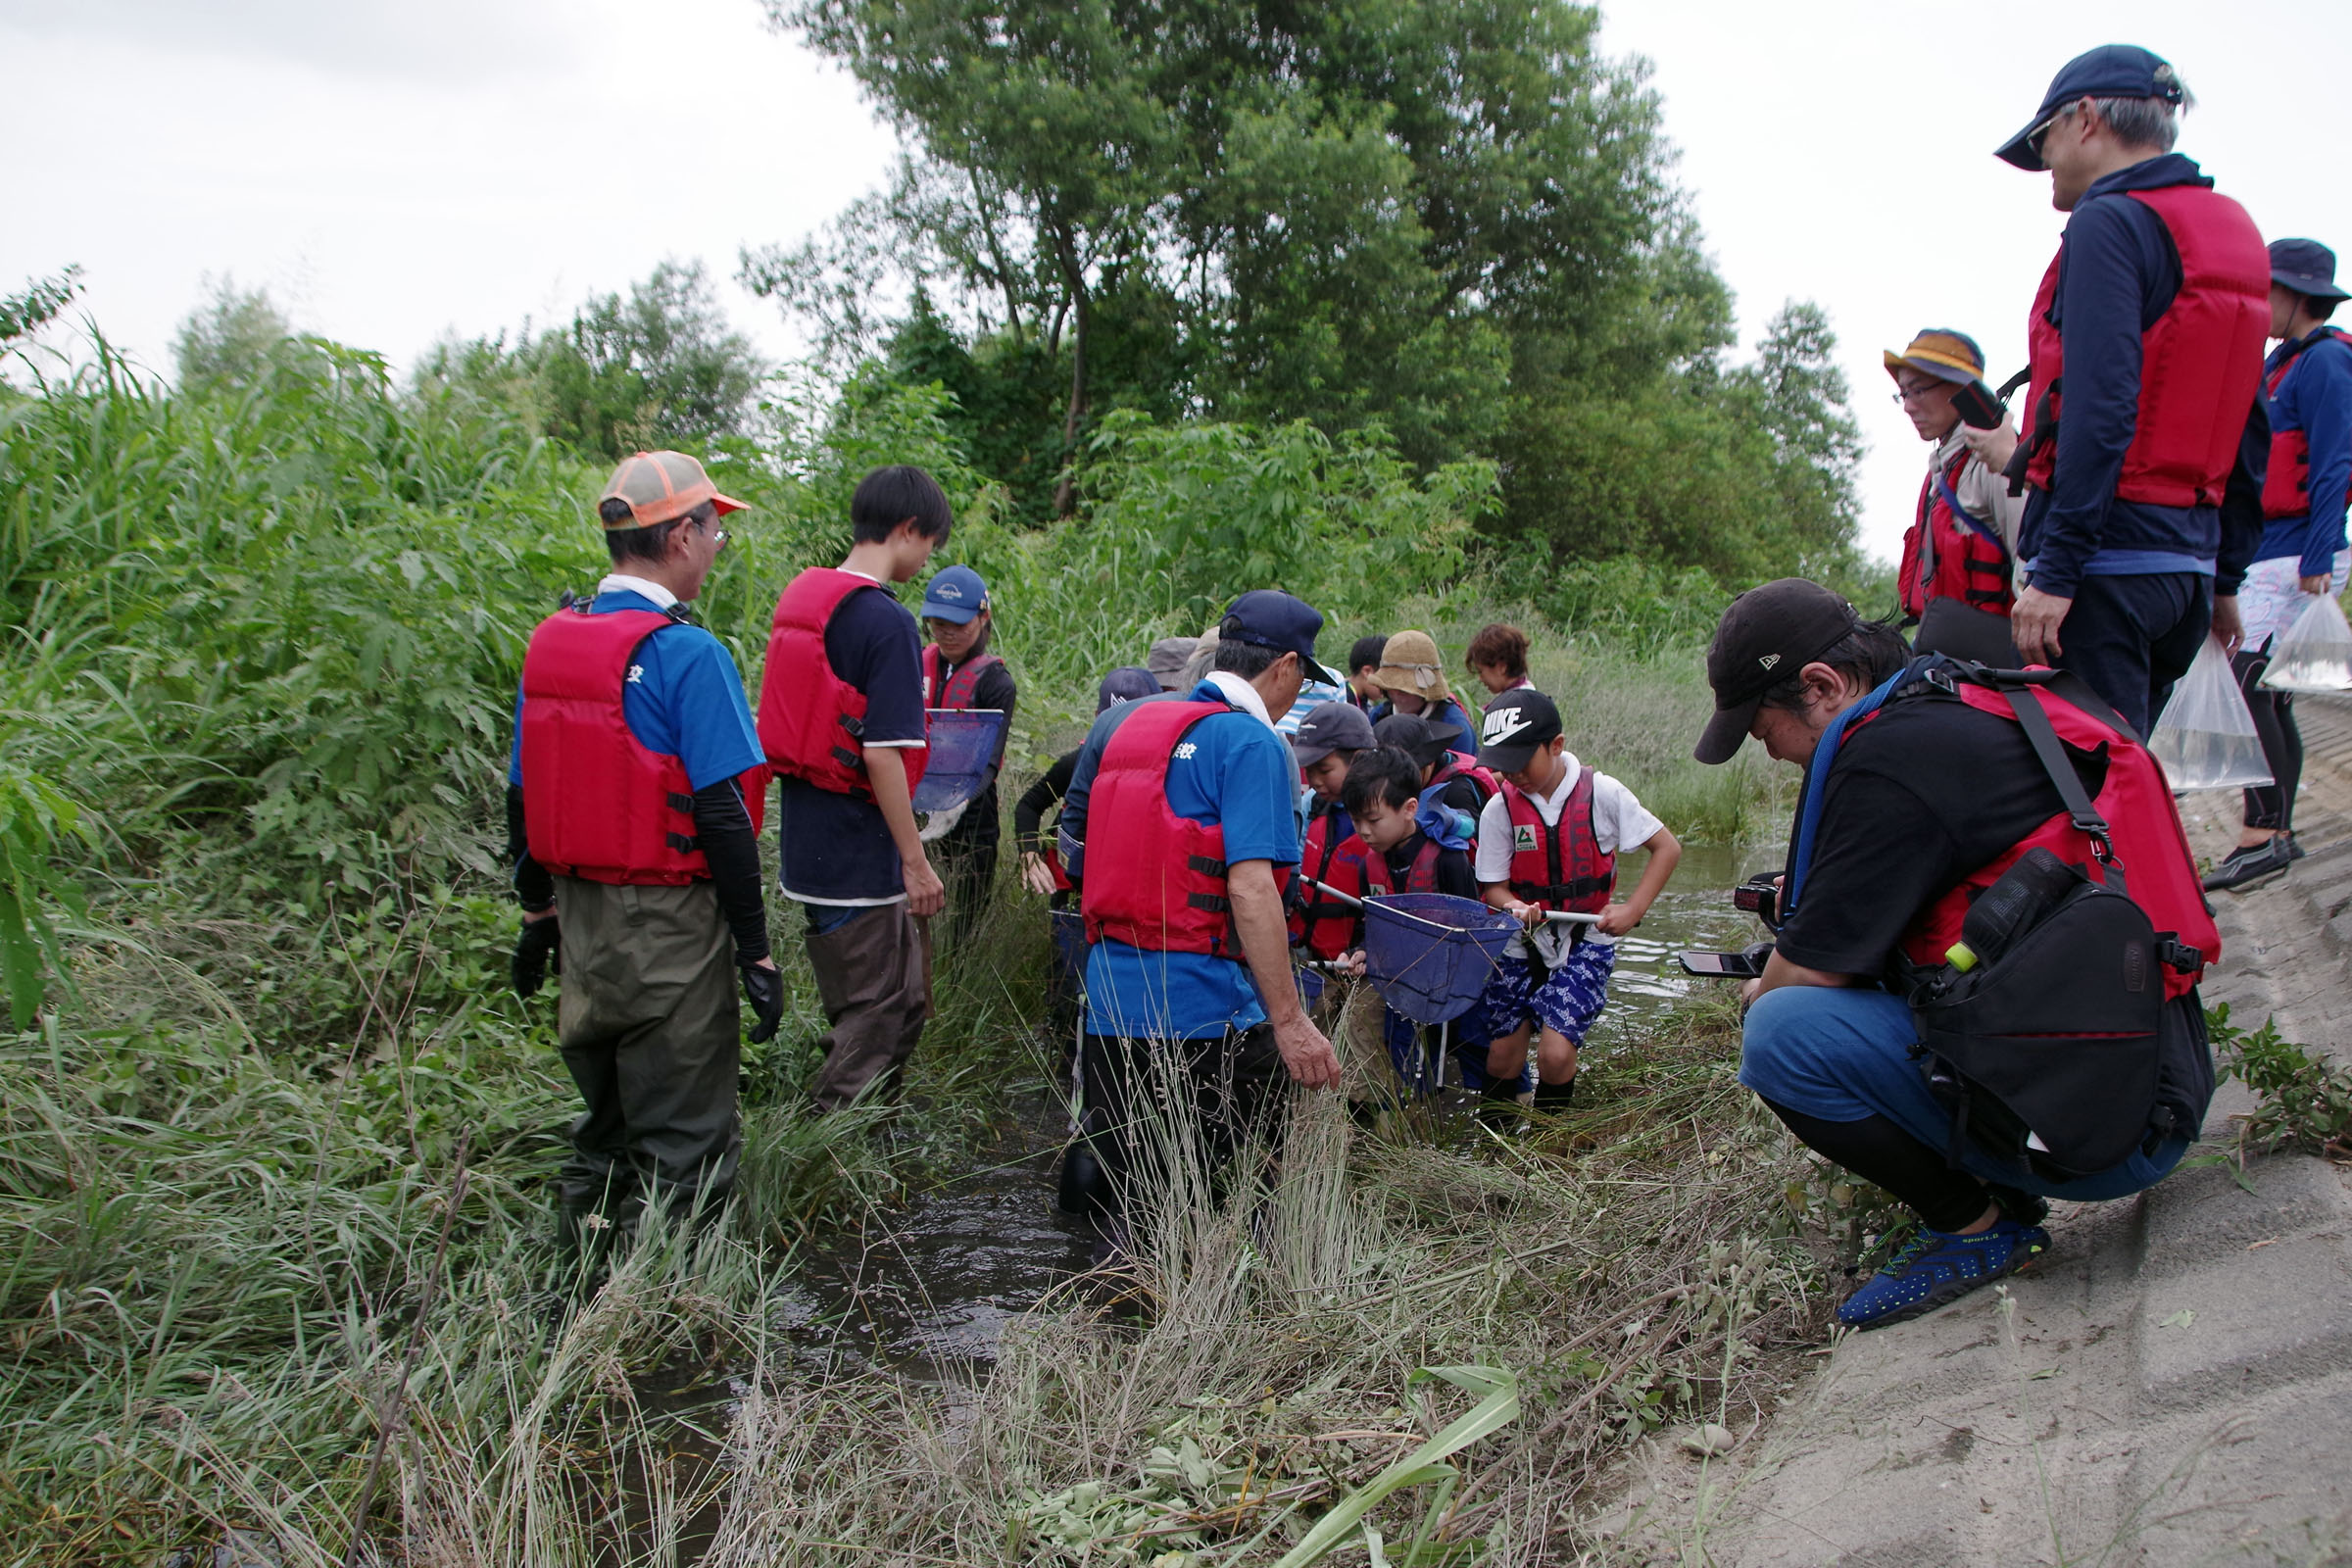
(1567, 1000)
(1843, 1055)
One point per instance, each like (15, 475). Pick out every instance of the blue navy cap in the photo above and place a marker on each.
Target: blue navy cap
(2307, 267)
(1267, 618)
(2111, 70)
(1125, 684)
(957, 594)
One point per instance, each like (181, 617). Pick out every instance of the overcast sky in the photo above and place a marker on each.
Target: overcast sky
(392, 171)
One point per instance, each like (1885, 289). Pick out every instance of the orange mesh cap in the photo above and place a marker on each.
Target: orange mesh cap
(662, 487)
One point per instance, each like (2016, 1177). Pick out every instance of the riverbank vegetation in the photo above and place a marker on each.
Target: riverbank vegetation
(275, 1136)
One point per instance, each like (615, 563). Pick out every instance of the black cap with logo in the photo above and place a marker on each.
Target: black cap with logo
(1517, 725)
(1767, 635)
(1425, 740)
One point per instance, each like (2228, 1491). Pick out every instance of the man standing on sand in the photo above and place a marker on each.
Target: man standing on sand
(633, 801)
(840, 714)
(2147, 335)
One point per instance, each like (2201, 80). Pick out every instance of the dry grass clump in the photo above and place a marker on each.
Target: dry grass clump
(1627, 1266)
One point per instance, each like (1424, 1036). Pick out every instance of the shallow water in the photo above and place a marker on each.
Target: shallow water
(927, 1292)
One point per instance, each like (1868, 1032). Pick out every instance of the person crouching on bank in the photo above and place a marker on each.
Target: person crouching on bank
(1926, 788)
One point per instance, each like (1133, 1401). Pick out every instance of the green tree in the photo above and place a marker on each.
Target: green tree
(231, 341)
(661, 368)
(38, 303)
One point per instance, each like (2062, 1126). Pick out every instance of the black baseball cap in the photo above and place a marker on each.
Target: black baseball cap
(1517, 725)
(1126, 684)
(1767, 635)
(2111, 70)
(1423, 739)
(1330, 727)
(2307, 267)
(1268, 617)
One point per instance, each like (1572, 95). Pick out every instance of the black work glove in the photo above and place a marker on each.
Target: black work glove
(764, 989)
(539, 942)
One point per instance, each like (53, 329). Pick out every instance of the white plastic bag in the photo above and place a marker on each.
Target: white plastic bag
(2315, 653)
(2205, 738)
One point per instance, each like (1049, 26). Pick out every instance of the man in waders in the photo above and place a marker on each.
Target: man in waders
(2142, 508)
(840, 715)
(633, 802)
(1959, 553)
(1955, 827)
(1190, 972)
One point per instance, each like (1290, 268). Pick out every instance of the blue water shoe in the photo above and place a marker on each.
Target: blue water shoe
(1933, 1267)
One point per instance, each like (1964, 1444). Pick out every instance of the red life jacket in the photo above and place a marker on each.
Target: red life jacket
(1157, 882)
(1452, 766)
(959, 688)
(1561, 869)
(2147, 843)
(596, 803)
(1321, 923)
(1419, 877)
(2287, 484)
(2200, 363)
(810, 719)
(1943, 558)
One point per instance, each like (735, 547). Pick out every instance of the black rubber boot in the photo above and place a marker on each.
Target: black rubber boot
(1499, 1105)
(1554, 1098)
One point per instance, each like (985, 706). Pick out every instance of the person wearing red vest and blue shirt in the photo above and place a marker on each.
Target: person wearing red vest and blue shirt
(840, 715)
(1185, 807)
(2146, 358)
(1962, 543)
(633, 801)
(960, 673)
(1923, 786)
(1549, 840)
(2306, 387)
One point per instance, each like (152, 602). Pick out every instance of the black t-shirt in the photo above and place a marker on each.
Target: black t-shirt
(1919, 794)
(1041, 797)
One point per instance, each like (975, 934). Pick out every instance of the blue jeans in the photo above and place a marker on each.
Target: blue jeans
(2130, 638)
(1843, 1055)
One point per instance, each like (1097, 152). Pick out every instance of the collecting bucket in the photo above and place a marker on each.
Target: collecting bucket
(964, 743)
(1430, 955)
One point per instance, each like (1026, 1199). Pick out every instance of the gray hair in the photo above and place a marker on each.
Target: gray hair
(2144, 122)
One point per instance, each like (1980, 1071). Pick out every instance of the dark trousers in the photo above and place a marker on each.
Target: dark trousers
(1145, 1097)
(2272, 804)
(2130, 638)
(967, 856)
(874, 974)
(648, 1023)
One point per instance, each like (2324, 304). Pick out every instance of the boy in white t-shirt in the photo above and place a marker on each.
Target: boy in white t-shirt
(1549, 839)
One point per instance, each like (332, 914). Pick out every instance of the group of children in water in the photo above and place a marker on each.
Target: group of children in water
(1400, 791)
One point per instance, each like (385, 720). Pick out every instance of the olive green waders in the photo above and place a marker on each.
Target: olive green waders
(875, 978)
(648, 1025)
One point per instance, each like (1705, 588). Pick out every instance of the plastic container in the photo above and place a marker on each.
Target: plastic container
(1430, 955)
(964, 742)
(2205, 737)
(2315, 655)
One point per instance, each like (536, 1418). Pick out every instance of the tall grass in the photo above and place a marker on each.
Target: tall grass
(262, 648)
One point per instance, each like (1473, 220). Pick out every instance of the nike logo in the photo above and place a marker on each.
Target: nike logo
(1503, 724)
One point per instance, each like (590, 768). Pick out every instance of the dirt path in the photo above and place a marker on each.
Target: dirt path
(2171, 1386)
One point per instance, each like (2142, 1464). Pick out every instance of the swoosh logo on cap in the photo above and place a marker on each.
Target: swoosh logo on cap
(1502, 724)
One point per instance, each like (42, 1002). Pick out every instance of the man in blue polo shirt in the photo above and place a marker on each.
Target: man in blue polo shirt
(1191, 956)
(633, 794)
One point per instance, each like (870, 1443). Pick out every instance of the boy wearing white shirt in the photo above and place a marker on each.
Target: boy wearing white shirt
(1548, 841)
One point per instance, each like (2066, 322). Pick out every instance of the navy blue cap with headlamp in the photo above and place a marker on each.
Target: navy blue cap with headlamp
(2111, 70)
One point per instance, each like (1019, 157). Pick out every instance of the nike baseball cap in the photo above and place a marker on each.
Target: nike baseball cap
(1767, 634)
(661, 487)
(1518, 724)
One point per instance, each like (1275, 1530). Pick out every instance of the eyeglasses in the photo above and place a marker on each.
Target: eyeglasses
(2041, 132)
(718, 536)
(1917, 394)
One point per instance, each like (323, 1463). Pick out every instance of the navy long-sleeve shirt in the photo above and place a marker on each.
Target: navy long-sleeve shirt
(2315, 397)
(2118, 273)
